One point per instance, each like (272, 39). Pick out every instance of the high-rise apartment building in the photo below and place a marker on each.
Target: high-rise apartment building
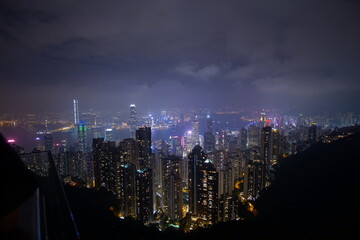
(172, 187)
(126, 188)
(105, 157)
(132, 120)
(144, 195)
(129, 151)
(196, 159)
(143, 138)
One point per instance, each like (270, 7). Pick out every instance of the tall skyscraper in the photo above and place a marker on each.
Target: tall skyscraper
(176, 148)
(132, 120)
(105, 157)
(48, 141)
(172, 187)
(203, 186)
(253, 136)
(82, 137)
(208, 183)
(108, 135)
(209, 124)
(195, 133)
(76, 111)
(243, 138)
(129, 151)
(256, 179)
(126, 188)
(266, 150)
(144, 195)
(262, 119)
(143, 138)
(196, 159)
(209, 142)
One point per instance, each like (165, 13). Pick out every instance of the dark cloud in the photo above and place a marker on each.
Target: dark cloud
(180, 53)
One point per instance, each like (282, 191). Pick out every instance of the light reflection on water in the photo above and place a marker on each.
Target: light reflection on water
(26, 139)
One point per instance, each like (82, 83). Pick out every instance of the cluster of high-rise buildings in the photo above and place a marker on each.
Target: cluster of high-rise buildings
(192, 180)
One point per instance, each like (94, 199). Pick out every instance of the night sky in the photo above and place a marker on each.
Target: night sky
(108, 54)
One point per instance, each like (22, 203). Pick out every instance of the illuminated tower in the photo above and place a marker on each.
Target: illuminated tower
(76, 111)
(255, 178)
(243, 139)
(129, 151)
(196, 159)
(262, 119)
(209, 124)
(132, 120)
(207, 188)
(253, 135)
(48, 141)
(82, 137)
(172, 187)
(126, 188)
(144, 195)
(176, 148)
(143, 138)
(195, 133)
(108, 135)
(209, 142)
(266, 150)
(105, 157)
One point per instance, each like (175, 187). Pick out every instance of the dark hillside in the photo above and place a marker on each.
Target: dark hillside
(315, 193)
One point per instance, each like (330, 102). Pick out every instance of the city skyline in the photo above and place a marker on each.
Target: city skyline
(302, 55)
(179, 119)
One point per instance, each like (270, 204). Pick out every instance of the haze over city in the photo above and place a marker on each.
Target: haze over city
(178, 119)
(109, 54)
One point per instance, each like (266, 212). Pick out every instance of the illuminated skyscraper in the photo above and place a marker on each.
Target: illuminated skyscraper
(143, 138)
(209, 142)
(266, 150)
(105, 157)
(144, 195)
(176, 148)
(129, 151)
(172, 187)
(132, 120)
(207, 188)
(195, 133)
(108, 135)
(203, 186)
(209, 124)
(126, 188)
(262, 119)
(243, 139)
(76, 111)
(253, 136)
(82, 137)
(196, 159)
(48, 141)
(256, 179)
